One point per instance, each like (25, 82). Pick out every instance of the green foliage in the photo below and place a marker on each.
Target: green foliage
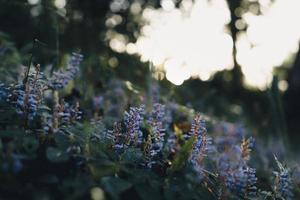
(115, 186)
(60, 154)
(182, 156)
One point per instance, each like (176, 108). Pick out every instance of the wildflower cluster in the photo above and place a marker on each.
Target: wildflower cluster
(26, 97)
(233, 166)
(164, 150)
(242, 181)
(231, 157)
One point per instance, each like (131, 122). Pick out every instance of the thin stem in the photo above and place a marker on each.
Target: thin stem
(56, 42)
(30, 61)
(35, 42)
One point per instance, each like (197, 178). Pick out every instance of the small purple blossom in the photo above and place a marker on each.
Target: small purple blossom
(156, 137)
(158, 131)
(171, 145)
(283, 184)
(118, 138)
(133, 120)
(198, 128)
(4, 91)
(25, 100)
(239, 178)
(62, 77)
(242, 181)
(69, 113)
(228, 134)
(202, 145)
(27, 97)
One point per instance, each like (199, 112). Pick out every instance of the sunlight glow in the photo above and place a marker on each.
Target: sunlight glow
(33, 2)
(193, 41)
(187, 42)
(269, 40)
(60, 3)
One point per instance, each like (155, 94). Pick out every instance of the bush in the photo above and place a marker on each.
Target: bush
(53, 149)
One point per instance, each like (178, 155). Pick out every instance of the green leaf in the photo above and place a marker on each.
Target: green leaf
(49, 179)
(115, 186)
(103, 168)
(56, 155)
(146, 183)
(62, 140)
(183, 155)
(30, 144)
(147, 192)
(11, 134)
(44, 108)
(132, 155)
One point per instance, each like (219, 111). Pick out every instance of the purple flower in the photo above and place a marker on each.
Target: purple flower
(198, 128)
(171, 145)
(62, 77)
(27, 97)
(25, 101)
(202, 145)
(69, 113)
(156, 137)
(239, 178)
(228, 134)
(242, 181)
(133, 120)
(4, 91)
(283, 185)
(158, 131)
(118, 138)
